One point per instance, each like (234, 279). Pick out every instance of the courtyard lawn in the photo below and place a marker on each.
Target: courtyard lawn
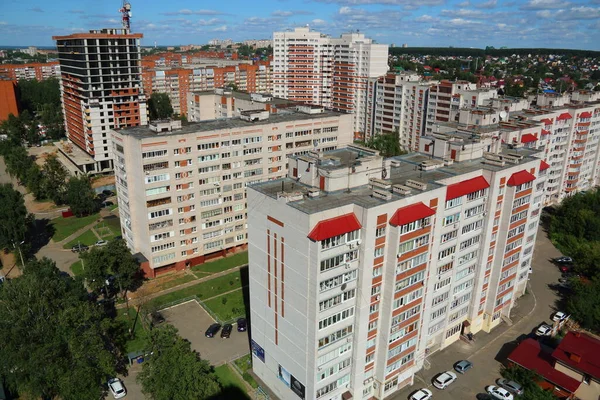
(223, 264)
(77, 268)
(245, 364)
(109, 228)
(65, 227)
(176, 282)
(86, 238)
(139, 341)
(228, 306)
(228, 378)
(202, 290)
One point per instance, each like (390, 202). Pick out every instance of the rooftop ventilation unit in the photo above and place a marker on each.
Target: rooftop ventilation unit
(382, 194)
(401, 189)
(416, 184)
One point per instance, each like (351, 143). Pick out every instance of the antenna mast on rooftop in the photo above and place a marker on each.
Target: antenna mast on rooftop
(126, 15)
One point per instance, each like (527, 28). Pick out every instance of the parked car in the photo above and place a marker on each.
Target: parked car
(564, 268)
(101, 243)
(226, 332)
(444, 380)
(499, 393)
(157, 318)
(78, 248)
(463, 366)
(212, 330)
(559, 316)
(421, 394)
(108, 193)
(563, 260)
(543, 330)
(116, 388)
(511, 386)
(242, 325)
(484, 396)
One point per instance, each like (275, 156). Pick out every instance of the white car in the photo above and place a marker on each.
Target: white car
(544, 330)
(422, 394)
(499, 393)
(116, 388)
(444, 380)
(101, 243)
(559, 316)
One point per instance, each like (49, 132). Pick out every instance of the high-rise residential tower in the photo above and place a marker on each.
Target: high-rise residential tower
(100, 82)
(314, 68)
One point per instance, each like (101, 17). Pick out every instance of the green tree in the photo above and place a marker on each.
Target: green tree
(388, 144)
(584, 303)
(529, 380)
(55, 342)
(174, 370)
(80, 196)
(14, 216)
(95, 267)
(55, 179)
(159, 106)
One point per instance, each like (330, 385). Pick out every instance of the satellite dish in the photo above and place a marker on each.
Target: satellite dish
(503, 115)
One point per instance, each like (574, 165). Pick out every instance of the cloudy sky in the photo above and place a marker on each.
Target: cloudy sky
(460, 23)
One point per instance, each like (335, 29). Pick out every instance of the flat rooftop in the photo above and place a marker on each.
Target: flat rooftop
(247, 96)
(408, 169)
(143, 132)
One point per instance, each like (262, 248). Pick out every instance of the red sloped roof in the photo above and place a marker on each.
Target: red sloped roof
(408, 214)
(564, 116)
(585, 115)
(465, 187)
(334, 226)
(529, 355)
(547, 121)
(528, 138)
(521, 177)
(544, 165)
(584, 346)
(545, 132)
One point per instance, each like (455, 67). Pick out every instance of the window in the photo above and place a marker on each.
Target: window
(157, 190)
(160, 213)
(438, 313)
(476, 195)
(335, 336)
(411, 280)
(335, 318)
(472, 226)
(397, 334)
(380, 232)
(337, 299)
(449, 236)
(525, 186)
(333, 354)
(377, 271)
(339, 240)
(154, 154)
(162, 247)
(462, 299)
(445, 268)
(156, 178)
(415, 225)
(441, 284)
(208, 146)
(338, 280)
(446, 252)
(408, 298)
(399, 349)
(411, 263)
(515, 231)
(451, 219)
(405, 315)
(440, 299)
(467, 257)
(513, 245)
(436, 327)
(391, 368)
(470, 242)
(373, 308)
(518, 216)
(521, 201)
(338, 260)
(471, 212)
(463, 286)
(378, 252)
(453, 331)
(453, 203)
(464, 272)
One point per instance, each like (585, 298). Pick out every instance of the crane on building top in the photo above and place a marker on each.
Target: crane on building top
(125, 11)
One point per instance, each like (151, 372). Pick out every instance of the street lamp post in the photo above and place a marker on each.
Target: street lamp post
(20, 252)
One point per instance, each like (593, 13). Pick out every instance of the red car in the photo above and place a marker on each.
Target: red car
(565, 268)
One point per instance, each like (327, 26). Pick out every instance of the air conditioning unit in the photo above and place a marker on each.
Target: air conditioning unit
(358, 242)
(347, 266)
(377, 298)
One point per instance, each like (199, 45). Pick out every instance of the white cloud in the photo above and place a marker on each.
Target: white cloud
(486, 4)
(578, 13)
(544, 4)
(186, 11)
(318, 22)
(426, 18)
(280, 13)
(411, 4)
(222, 28)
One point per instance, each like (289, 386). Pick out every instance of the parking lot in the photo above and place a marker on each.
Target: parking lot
(489, 349)
(192, 321)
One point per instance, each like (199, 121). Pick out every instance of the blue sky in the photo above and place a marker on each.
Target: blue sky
(460, 23)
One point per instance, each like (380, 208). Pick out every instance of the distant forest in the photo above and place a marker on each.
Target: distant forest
(466, 52)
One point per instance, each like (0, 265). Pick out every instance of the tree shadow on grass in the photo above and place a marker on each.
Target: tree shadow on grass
(230, 393)
(39, 235)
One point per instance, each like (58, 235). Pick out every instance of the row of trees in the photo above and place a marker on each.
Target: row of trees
(388, 144)
(489, 51)
(57, 342)
(575, 230)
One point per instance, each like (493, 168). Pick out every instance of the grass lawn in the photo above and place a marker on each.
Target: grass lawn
(65, 227)
(245, 363)
(77, 268)
(113, 207)
(87, 238)
(223, 264)
(175, 282)
(228, 306)
(203, 290)
(139, 341)
(228, 378)
(109, 228)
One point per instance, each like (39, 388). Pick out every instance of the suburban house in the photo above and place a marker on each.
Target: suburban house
(572, 370)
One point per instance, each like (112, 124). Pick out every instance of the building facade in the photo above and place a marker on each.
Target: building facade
(181, 190)
(8, 99)
(101, 89)
(361, 268)
(39, 71)
(313, 68)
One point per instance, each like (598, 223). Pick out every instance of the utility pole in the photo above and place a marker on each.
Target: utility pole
(20, 252)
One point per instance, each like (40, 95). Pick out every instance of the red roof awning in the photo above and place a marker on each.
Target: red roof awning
(545, 132)
(465, 187)
(547, 121)
(521, 177)
(544, 165)
(580, 352)
(528, 138)
(334, 227)
(408, 214)
(564, 116)
(530, 355)
(585, 115)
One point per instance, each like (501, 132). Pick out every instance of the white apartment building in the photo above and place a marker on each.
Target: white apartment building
(182, 189)
(398, 102)
(314, 68)
(360, 268)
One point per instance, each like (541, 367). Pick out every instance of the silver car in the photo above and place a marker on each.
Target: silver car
(463, 366)
(511, 386)
(444, 380)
